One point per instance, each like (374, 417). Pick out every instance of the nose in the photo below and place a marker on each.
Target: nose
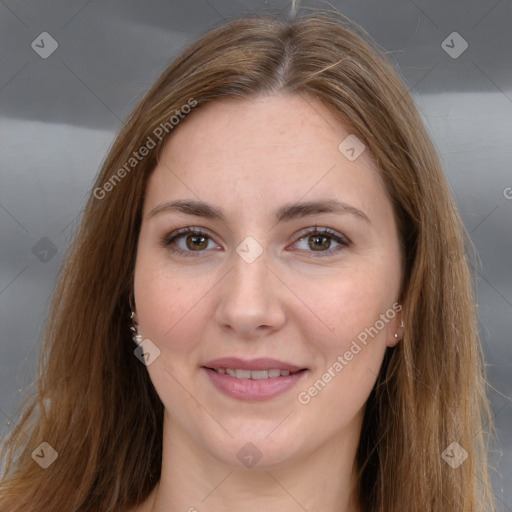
(250, 302)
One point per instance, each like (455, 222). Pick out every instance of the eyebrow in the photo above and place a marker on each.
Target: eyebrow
(283, 214)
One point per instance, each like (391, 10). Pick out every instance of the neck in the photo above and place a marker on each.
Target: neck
(192, 480)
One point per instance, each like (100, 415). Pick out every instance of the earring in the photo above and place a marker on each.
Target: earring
(137, 338)
(401, 325)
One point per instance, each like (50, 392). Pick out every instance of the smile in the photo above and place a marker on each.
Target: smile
(252, 374)
(255, 380)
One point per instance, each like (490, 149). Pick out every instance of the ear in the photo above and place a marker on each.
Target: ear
(396, 326)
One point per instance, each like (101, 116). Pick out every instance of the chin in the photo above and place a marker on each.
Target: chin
(255, 449)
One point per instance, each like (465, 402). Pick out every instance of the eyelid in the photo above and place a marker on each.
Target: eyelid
(167, 240)
(183, 231)
(323, 231)
(342, 240)
(339, 238)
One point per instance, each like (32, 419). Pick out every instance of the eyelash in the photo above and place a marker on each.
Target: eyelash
(344, 242)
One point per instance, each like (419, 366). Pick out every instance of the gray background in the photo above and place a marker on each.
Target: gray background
(60, 114)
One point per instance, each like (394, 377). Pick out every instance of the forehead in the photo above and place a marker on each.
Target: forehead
(272, 149)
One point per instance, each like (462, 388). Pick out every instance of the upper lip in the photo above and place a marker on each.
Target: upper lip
(263, 363)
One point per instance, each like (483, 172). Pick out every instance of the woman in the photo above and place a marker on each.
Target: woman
(273, 225)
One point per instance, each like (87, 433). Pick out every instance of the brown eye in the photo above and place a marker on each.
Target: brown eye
(319, 242)
(322, 242)
(189, 242)
(196, 242)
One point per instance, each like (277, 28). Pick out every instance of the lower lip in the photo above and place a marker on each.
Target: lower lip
(252, 390)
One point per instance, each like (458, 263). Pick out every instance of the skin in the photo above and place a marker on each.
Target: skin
(250, 158)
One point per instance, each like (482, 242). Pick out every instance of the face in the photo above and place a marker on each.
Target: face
(271, 316)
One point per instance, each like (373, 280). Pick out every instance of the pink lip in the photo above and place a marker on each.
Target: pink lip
(248, 389)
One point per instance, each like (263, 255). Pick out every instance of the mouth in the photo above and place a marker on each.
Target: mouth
(240, 373)
(255, 380)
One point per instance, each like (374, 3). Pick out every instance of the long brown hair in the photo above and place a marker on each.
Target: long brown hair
(95, 403)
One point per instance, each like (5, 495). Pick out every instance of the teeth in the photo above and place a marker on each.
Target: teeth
(253, 374)
(243, 374)
(259, 374)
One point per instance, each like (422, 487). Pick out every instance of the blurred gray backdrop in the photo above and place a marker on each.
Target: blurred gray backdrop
(71, 71)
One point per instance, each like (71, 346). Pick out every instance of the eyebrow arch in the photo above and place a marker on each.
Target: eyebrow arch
(283, 214)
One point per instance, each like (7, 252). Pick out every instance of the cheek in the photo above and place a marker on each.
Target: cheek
(349, 356)
(344, 305)
(165, 299)
(168, 302)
